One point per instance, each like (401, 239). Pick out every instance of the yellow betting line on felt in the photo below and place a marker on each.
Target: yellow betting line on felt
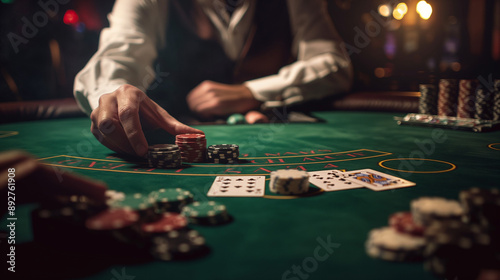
(315, 155)
(227, 165)
(453, 167)
(491, 146)
(8, 133)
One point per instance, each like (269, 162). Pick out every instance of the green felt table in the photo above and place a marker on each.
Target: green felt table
(271, 237)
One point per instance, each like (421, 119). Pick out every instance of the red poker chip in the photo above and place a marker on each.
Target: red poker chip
(110, 219)
(403, 222)
(190, 136)
(168, 222)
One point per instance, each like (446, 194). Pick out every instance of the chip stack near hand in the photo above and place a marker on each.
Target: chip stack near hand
(289, 181)
(223, 153)
(164, 156)
(192, 146)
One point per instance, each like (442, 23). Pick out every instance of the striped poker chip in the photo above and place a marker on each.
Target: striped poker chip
(224, 147)
(178, 245)
(481, 207)
(167, 222)
(388, 244)
(496, 105)
(192, 137)
(484, 104)
(289, 181)
(456, 250)
(448, 97)
(403, 222)
(112, 219)
(171, 199)
(163, 147)
(428, 99)
(466, 98)
(192, 147)
(206, 213)
(425, 210)
(165, 158)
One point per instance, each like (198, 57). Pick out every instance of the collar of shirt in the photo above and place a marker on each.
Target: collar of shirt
(232, 30)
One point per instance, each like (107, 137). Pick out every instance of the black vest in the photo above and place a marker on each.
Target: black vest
(189, 59)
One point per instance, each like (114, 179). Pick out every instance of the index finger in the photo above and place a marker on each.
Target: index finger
(128, 113)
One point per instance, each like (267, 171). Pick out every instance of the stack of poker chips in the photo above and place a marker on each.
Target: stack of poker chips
(129, 226)
(425, 210)
(448, 96)
(496, 101)
(388, 244)
(142, 205)
(466, 98)
(171, 199)
(454, 239)
(206, 213)
(178, 245)
(428, 99)
(470, 100)
(223, 153)
(456, 250)
(164, 156)
(192, 146)
(484, 101)
(289, 181)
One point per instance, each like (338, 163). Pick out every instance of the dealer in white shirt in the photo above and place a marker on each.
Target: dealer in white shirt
(211, 57)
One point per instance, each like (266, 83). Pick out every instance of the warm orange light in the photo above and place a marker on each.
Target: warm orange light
(400, 11)
(402, 8)
(384, 10)
(424, 9)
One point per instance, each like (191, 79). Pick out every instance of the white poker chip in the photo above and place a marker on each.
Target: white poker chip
(427, 209)
(388, 244)
(289, 181)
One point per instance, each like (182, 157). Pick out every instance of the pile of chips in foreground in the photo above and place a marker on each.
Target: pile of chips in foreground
(454, 239)
(154, 225)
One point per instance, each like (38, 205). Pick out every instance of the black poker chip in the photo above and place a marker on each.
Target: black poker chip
(178, 245)
(223, 153)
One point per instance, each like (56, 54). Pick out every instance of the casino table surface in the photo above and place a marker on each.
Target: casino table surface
(271, 237)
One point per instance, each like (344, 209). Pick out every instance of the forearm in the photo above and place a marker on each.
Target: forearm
(126, 51)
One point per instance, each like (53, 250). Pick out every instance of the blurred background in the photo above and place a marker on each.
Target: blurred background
(394, 45)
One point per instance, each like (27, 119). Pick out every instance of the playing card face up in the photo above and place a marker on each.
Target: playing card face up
(238, 186)
(332, 180)
(377, 181)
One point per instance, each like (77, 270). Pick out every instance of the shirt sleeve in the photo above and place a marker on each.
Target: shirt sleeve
(126, 51)
(322, 68)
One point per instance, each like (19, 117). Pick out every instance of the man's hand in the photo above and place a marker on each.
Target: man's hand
(35, 182)
(210, 99)
(116, 123)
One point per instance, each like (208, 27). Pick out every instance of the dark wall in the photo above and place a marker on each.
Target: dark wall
(40, 61)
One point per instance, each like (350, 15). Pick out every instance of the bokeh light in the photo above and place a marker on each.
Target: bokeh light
(384, 10)
(400, 11)
(424, 9)
(71, 17)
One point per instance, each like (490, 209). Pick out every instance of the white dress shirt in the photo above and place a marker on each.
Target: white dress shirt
(128, 48)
